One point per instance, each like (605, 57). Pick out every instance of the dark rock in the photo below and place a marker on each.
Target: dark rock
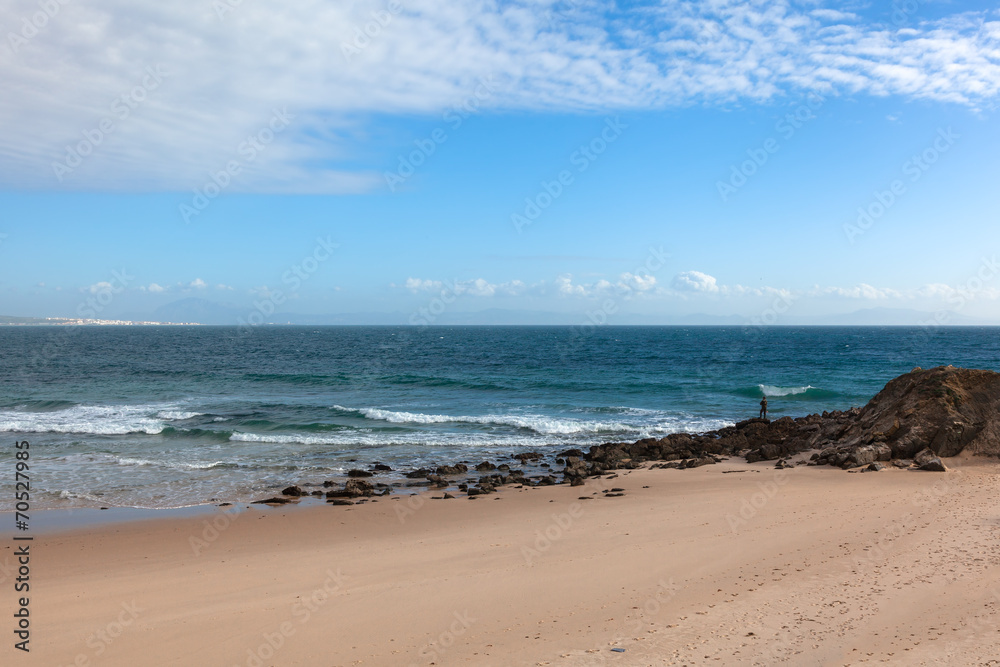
(448, 496)
(485, 466)
(381, 467)
(419, 473)
(359, 473)
(273, 501)
(875, 467)
(292, 491)
(934, 465)
(923, 456)
(339, 501)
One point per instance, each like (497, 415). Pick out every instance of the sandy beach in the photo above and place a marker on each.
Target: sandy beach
(728, 564)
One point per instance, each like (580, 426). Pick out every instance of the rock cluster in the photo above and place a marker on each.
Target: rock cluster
(916, 419)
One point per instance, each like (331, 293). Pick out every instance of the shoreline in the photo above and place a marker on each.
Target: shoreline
(825, 563)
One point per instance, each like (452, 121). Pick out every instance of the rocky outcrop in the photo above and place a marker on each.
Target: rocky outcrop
(915, 420)
(943, 410)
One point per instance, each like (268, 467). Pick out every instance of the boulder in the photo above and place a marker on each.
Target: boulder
(934, 465)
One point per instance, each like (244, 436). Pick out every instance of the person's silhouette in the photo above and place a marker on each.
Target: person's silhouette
(763, 408)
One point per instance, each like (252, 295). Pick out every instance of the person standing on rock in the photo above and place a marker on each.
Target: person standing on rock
(763, 407)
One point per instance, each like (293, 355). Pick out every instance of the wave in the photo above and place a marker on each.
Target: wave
(176, 465)
(541, 424)
(177, 415)
(44, 405)
(801, 392)
(84, 419)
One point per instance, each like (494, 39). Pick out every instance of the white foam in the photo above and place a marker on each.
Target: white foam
(176, 465)
(768, 390)
(86, 419)
(537, 423)
(177, 415)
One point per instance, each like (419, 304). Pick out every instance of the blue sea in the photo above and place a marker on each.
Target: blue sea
(174, 416)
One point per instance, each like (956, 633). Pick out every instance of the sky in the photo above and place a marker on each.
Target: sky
(603, 162)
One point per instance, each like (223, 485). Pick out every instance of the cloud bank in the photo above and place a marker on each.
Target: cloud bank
(149, 96)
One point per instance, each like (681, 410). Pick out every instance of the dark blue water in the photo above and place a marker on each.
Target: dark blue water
(168, 416)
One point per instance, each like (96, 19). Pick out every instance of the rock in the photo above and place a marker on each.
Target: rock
(527, 456)
(359, 473)
(923, 456)
(903, 463)
(273, 501)
(934, 465)
(339, 501)
(485, 466)
(419, 473)
(292, 491)
(381, 467)
(448, 496)
(875, 467)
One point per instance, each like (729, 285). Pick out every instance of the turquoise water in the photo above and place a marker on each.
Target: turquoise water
(173, 416)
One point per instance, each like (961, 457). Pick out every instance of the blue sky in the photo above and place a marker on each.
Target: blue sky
(779, 159)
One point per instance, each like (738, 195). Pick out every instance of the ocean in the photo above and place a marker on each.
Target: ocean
(160, 417)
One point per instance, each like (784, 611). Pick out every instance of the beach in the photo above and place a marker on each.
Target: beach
(732, 563)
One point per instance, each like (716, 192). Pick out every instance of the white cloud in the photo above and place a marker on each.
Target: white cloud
(540, 54)
(694, 281)
(222, 286)
(153, 287)
(197, 283)
(97, 288)
(417, 285)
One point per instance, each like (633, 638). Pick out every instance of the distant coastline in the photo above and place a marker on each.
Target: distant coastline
(10, 321)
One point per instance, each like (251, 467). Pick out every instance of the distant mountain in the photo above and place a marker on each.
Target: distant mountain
(203, 311)
(892, 317)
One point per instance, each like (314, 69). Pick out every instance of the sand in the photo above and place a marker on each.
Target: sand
(719, 565)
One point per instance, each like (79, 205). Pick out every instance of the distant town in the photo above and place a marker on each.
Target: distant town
(10, 321)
